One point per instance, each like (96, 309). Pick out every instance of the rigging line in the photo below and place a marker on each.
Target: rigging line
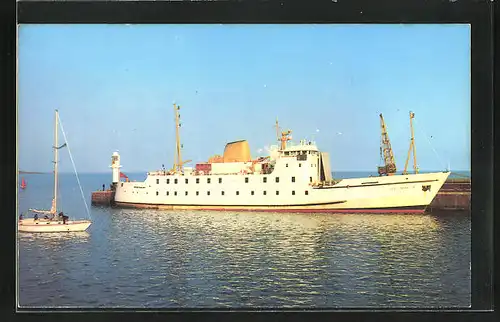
(59, 196)
(430, 144)
(74, 168)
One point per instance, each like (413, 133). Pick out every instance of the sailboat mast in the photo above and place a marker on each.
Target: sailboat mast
(55, 160)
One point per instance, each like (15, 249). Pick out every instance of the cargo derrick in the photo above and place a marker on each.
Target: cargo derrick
(386, 153)
(284, 137)
(412, 148)
(178, 163)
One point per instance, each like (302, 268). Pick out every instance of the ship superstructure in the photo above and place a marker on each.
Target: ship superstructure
(293, 177)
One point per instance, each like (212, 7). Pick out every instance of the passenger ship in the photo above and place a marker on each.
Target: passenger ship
(293, 178)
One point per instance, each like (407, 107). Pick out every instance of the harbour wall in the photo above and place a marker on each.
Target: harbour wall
(455, 194)
(103, 198)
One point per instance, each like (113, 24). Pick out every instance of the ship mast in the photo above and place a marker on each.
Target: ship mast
(178, 157)
(277, 130)
(55, 161)
(283, 137)
(389, 167)
(412, 147)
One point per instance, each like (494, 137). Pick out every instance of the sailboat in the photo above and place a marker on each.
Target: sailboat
(23, 184)
(52, 221)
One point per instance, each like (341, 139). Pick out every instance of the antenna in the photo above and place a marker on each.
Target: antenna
(277, 130)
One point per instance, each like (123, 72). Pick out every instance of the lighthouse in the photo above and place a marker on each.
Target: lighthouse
(115, 166)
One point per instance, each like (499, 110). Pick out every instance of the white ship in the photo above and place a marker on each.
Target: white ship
(293, 178)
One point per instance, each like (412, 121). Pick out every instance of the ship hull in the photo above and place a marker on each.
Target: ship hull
(45, 226)
(388, 194)
(303, 209)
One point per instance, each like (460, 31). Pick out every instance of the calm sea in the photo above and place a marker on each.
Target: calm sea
(165, 259)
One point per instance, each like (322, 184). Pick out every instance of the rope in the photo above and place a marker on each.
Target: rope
(430, 144)
(74, 168)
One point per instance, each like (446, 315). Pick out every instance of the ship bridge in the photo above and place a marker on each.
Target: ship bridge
(303, 148)
(307, 152)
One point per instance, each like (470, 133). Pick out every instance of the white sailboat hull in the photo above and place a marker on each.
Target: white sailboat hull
(51, 226)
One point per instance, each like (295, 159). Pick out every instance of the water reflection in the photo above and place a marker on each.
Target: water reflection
(157, 258)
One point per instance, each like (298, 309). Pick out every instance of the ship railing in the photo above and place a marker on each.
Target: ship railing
(161, 173)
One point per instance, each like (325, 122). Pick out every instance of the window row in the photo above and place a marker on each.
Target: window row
(264, 180)
(300, 165)
(237, 193)
(294, 153)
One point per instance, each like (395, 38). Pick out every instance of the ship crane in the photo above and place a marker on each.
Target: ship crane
(284, 137)
(389, 167)
(412, 148)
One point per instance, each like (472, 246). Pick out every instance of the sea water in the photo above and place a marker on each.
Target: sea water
(185, 259)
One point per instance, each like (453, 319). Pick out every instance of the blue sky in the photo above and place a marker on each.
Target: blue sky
(114, 86)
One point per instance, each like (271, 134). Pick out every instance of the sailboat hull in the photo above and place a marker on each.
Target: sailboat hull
(48, 226)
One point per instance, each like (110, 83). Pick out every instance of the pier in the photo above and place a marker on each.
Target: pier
(454, 195)
(103, 198)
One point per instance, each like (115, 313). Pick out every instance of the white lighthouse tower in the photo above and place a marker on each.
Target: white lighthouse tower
(115, 166)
